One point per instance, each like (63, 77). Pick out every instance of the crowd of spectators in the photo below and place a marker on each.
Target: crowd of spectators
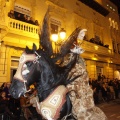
(6, 102)
(23, 18)
(17, 109)
(96, 40)
(105, 89)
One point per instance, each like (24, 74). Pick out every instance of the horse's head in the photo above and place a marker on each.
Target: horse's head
(27, 72)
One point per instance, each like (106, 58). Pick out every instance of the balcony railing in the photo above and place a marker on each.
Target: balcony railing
(19, 27)
(93, 48)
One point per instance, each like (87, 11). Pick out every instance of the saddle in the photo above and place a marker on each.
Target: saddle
(51, 106)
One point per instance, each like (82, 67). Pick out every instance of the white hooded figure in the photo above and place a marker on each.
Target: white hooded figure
(77, 49)
(81, 35)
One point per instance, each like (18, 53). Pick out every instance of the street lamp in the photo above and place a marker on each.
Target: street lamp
(62, 33)
(54, 36)
(58, 38)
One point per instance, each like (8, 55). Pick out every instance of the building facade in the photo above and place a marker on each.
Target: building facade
(99, 17)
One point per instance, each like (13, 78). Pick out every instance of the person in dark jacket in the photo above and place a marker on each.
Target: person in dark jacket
(105, 92)
(4, 105)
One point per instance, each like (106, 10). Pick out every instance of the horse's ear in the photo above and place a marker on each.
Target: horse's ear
(34, 47)
(45, 41)
(27, 49)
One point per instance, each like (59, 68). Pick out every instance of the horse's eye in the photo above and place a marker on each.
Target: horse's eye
(29, 64)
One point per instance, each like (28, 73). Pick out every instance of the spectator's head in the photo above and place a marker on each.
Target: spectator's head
(36, 22)
(24, 16)
(12, 11)
(31, 18)
(27, 18)
(4, 85)
(8, 85)
(35, 92)
(100, 74)
(106, 84)
(3, 94)
(19, 15)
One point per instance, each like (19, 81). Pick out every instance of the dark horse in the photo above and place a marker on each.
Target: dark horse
(36, 66)
(40, 66)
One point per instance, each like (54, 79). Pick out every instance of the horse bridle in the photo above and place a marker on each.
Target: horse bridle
(23, 59)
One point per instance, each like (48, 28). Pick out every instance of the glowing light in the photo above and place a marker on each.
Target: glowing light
(109, 51)
(94, 58)
(96, 47)
(62, 33)
(54, 37)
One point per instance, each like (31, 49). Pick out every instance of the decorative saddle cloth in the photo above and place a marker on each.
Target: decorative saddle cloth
(52, 105)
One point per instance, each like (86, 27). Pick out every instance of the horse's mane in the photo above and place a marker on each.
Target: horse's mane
(60, 72)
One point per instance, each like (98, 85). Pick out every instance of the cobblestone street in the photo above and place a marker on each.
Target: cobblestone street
(111, 109)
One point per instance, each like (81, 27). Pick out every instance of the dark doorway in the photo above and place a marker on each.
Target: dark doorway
(13, 71)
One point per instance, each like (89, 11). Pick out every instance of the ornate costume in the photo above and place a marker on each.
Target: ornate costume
(81, 93)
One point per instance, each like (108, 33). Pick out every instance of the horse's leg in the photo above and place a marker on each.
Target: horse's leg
(69, 109)
(69, 105)
(66, 108)
(66, 111)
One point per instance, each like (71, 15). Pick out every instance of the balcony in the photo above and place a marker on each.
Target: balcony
(22, 28)
(97, 49)
(18, 34)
